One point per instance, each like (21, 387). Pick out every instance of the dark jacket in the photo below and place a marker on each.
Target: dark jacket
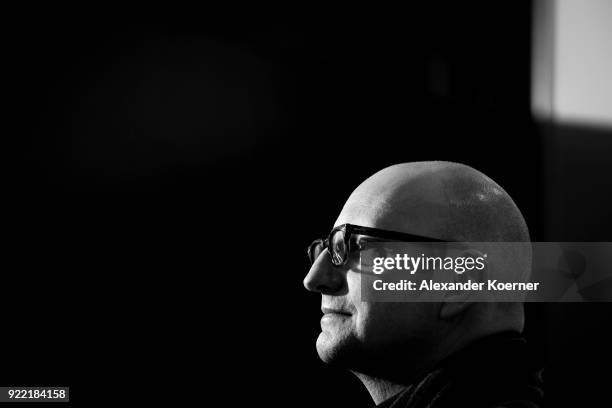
(499, 371)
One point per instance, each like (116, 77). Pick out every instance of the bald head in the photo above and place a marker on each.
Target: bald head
(445, 200)
(442, 200)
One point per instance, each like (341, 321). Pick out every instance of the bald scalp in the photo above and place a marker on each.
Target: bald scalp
(445, 200)
(480, 209)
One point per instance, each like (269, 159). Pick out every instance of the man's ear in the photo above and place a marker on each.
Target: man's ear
(456, 302)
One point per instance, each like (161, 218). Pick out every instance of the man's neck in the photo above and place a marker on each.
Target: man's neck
(393, 377)
(378, 388)
(396, 378)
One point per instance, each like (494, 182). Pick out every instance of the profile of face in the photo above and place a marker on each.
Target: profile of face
(355, 332)
(440, 200)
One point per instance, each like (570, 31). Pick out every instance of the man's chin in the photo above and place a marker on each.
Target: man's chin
(331, 349)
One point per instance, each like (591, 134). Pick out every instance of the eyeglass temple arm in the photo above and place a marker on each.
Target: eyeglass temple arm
(395, 235)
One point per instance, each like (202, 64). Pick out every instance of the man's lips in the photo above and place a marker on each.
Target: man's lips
(330, 311)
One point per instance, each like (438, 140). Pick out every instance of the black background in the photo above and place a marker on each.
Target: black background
(166, 168)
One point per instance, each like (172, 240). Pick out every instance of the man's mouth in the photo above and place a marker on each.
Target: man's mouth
(330, 311)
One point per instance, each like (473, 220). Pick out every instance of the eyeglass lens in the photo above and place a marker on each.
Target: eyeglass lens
(337, 247)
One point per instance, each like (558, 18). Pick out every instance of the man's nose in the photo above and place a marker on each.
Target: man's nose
(323, 277)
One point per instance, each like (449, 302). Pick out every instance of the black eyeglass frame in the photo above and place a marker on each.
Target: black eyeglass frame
(350, 229)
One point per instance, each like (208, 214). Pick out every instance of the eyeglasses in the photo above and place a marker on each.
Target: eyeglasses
(340, 244)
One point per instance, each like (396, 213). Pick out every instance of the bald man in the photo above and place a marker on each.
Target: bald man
(424, 354)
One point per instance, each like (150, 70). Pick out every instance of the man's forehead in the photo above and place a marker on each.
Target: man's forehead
(415, 216)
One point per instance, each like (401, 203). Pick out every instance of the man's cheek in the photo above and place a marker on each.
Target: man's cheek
(364, 324)
(354, 282)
